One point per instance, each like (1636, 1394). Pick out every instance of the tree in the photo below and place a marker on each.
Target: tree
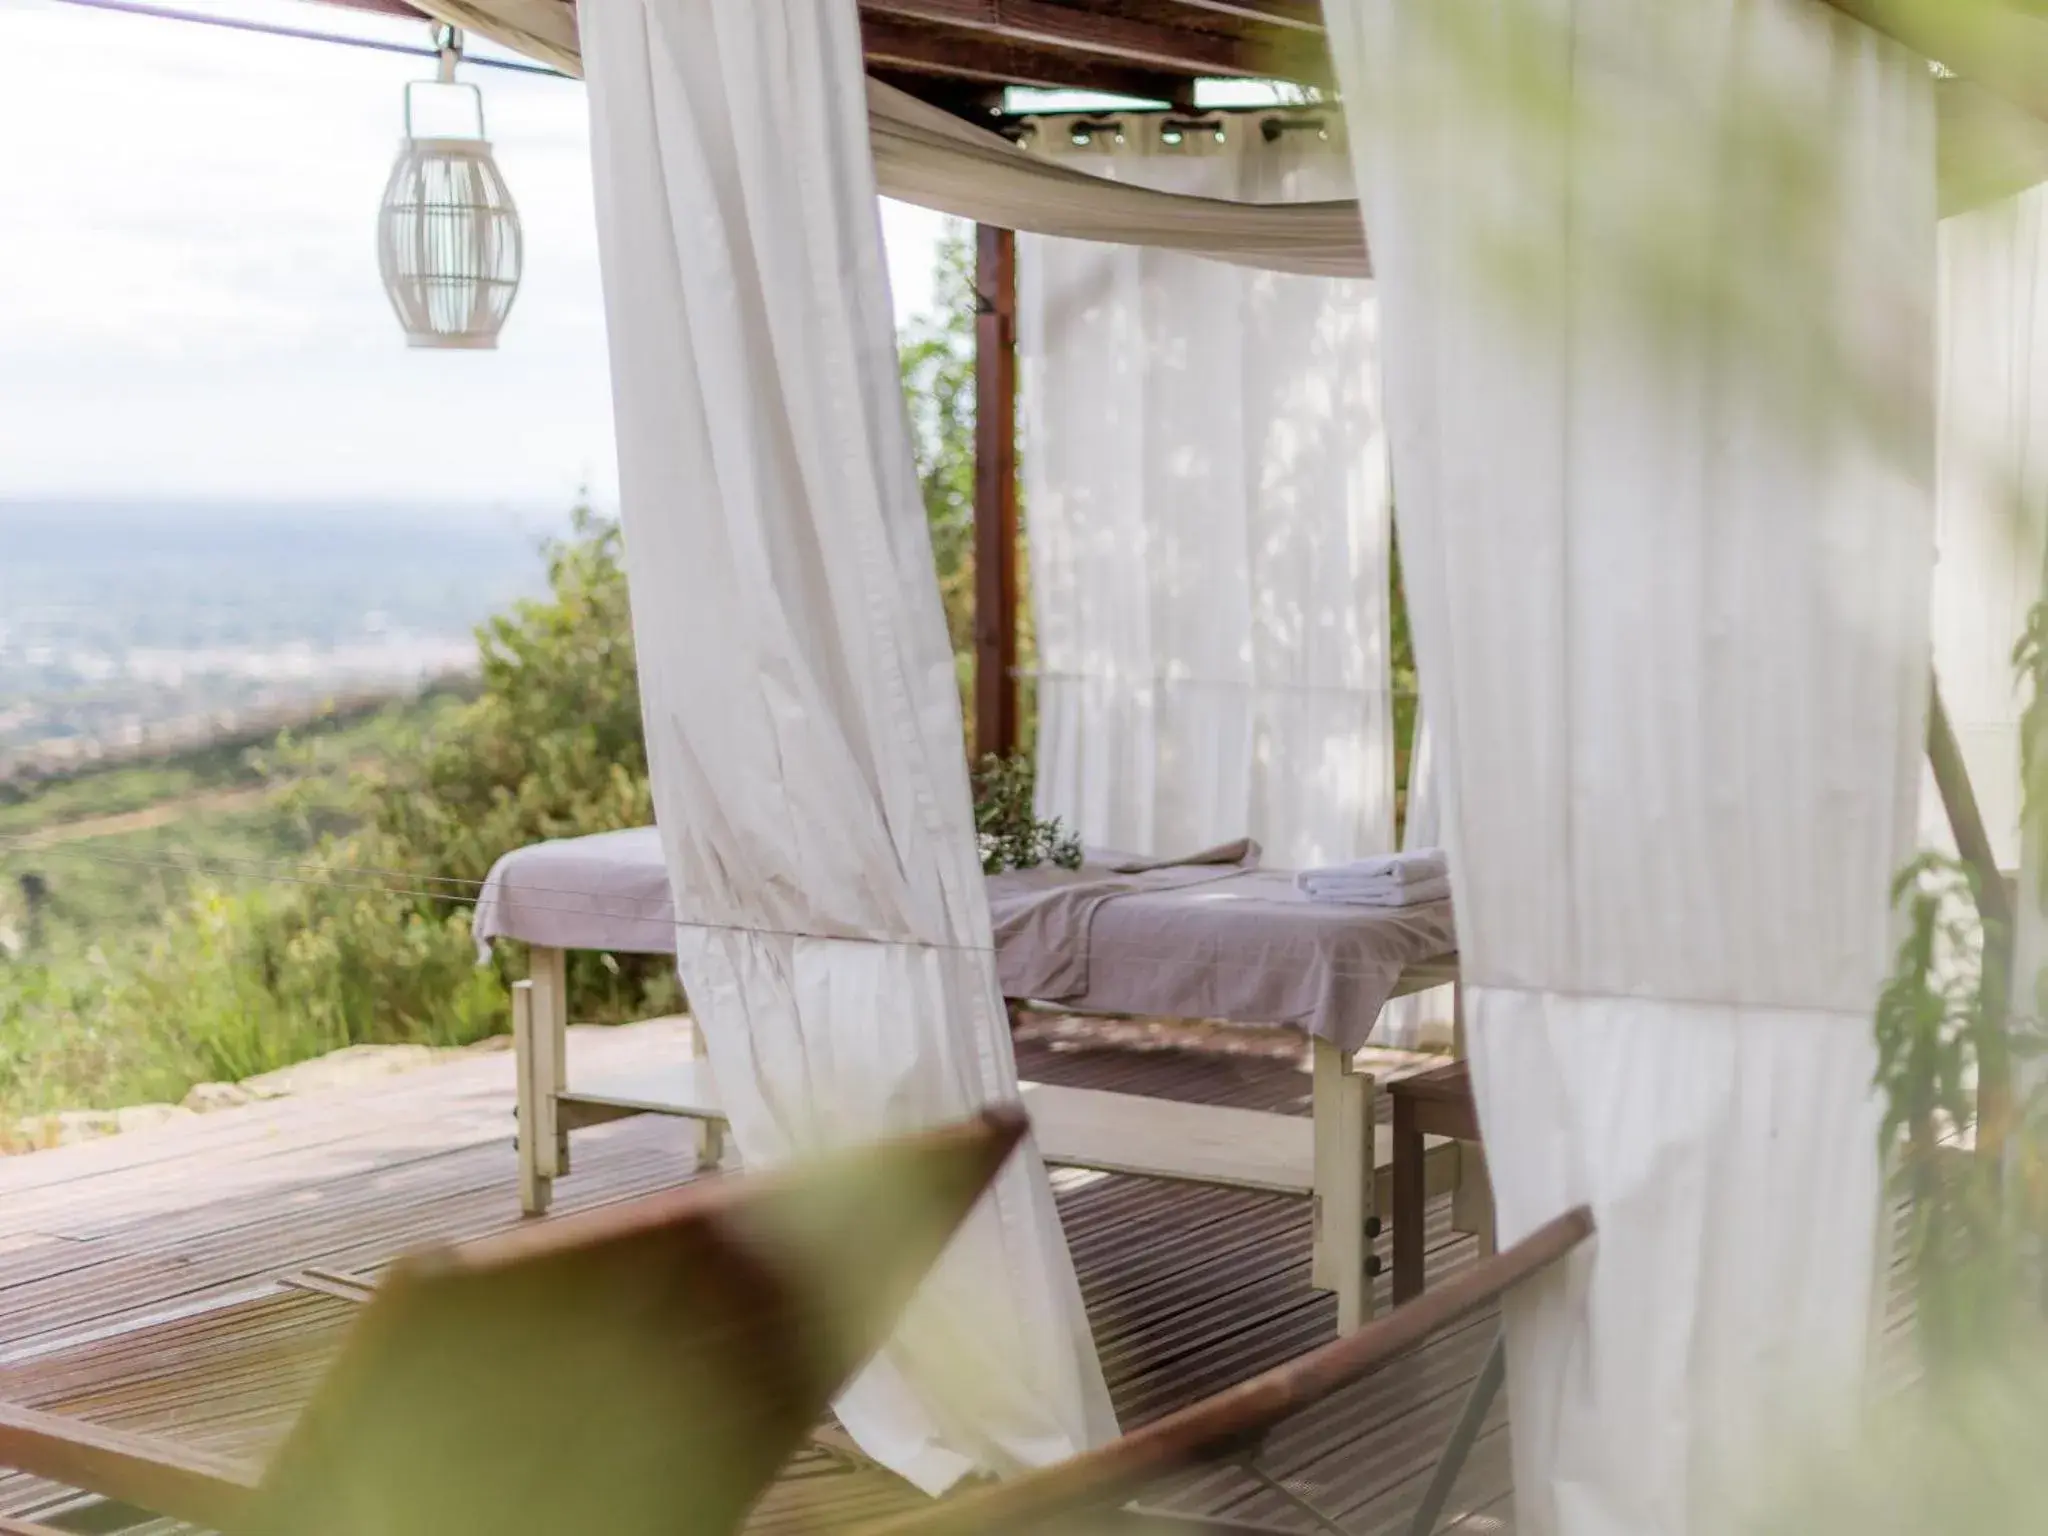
(937, 354)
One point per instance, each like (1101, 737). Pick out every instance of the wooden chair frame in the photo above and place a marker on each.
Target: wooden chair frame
(1225, 1426)
(745, 1304)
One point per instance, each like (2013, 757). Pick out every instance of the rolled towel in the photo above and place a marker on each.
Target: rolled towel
(1381, 893)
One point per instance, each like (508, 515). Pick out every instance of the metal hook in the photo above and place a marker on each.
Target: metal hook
(448, 44)
(1173, 131)
(1084, 132)
(1273, 127)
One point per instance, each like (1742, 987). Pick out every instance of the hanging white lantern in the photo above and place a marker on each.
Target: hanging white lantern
(448, 238)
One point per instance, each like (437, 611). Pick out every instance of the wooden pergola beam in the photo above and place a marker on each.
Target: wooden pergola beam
(891, 44)
(396, 8)
(1298, 15)
(995, 492)
(1101, 35)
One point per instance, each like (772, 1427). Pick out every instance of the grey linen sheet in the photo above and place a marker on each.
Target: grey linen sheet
(1246, 948)
(1044, 917)
(1216, 941)
(608, 891)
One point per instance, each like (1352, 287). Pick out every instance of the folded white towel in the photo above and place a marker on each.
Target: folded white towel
(1418, 866)
(1375, 893)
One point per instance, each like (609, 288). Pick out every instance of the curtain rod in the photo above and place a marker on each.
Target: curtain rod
(342, 39)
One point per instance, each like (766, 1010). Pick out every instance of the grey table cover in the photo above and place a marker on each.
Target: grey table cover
(1189, 941)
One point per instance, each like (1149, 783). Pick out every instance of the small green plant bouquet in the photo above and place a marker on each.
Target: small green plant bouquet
(1011, 836)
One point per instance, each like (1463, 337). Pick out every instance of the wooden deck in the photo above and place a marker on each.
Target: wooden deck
(194, 1280)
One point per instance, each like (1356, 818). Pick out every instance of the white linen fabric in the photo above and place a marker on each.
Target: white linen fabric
(803, 727)
(1288, 212)
(1420, 1018)
(1992, 503)
(1659, 397)
(1208, 519)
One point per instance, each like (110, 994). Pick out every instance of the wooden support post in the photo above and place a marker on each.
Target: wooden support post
(1973, 842)
(1346, 1184)
(995, 492)
(1409, 1197)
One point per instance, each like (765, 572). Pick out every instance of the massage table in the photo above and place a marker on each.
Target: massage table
(1220, 942)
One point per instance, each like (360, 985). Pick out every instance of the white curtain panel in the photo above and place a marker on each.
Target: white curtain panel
(803, 727)
(1206, 499)
(1407, 1023)
(1992, 506)
(1657, 279)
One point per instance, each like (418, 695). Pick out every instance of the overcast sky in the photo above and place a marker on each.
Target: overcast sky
(189, 300)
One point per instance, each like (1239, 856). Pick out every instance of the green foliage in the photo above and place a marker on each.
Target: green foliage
(1976, 1171)
(343, 916)
(937, 356)
(1011, 835)
(1961, 1454)
(552, 745)
(1935, 1017)
(112, 850)
(1407, 688)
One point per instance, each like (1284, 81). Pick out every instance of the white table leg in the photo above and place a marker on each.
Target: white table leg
(535, 1186)
(710, 1145)
(1341, 1097)
(710, 1133)
(549, 969)
(1458, 1020)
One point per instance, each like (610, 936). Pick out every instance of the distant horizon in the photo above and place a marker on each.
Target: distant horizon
(339, 504)
(120, 613)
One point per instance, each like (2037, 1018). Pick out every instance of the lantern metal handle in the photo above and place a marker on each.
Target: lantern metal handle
(475, 96)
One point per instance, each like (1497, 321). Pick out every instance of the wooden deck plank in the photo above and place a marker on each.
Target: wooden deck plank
(340, 1222)
(160, 1304)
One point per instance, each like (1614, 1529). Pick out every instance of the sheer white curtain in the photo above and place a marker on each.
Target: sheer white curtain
(802, 722)
(1206, 497)
(1658, 359)
(1412, 1021)
(1993, 494)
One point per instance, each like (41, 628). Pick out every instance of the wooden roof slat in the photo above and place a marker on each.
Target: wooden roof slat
(1097, 33)
(1297, 15)
(895, 45)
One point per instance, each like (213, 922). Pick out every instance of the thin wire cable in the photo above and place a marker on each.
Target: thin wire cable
(26, 844)
(303, 34)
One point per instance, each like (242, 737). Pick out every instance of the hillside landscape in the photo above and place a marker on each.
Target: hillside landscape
(212, 913)
(269, 850)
